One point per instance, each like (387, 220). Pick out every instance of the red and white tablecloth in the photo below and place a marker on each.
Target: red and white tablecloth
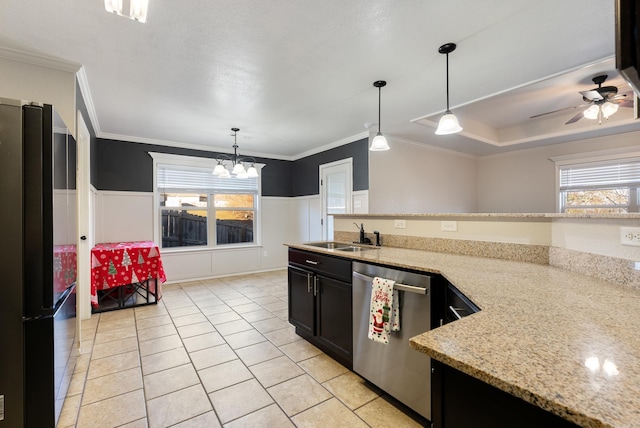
(64, 266)
(116, 264)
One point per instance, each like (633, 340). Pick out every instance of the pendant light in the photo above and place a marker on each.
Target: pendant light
(448, 123)
(379, 142)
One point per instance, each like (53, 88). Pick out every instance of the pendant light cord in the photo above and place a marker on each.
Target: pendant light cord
(448, 111)
(379, 105)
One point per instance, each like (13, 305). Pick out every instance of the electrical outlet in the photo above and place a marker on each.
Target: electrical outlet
(449, 226)
(630, 236)
(400, 224)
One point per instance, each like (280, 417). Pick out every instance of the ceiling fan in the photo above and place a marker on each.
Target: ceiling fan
(602, 101)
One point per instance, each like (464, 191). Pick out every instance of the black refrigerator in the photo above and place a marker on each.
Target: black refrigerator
(38, 232)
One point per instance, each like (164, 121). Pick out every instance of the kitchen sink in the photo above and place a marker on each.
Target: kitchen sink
(339, 246)
(353, 248)
(328, 245)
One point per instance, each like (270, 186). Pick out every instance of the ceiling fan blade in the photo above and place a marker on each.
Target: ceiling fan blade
(592, 95)
(556, 111)
(575, 118)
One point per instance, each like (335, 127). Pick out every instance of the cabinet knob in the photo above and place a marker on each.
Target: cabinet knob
(83, 238)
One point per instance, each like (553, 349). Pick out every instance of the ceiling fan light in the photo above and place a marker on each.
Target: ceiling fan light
(609, 109)
(592, 112)
(379, 143)
(448, 124)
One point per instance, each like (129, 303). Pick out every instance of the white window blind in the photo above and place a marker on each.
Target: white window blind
(179, 178)
(618, 174)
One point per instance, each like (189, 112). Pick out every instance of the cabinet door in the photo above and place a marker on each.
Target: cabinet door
(301, 299)
(334, 315)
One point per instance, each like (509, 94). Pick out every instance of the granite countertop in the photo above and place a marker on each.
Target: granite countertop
(504, 216)
(563, 341)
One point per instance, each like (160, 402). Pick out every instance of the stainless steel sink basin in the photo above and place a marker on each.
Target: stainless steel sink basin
(353, 248)
(339, 246)
(328, 245)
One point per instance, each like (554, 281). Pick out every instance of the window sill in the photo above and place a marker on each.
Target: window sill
(179, 250)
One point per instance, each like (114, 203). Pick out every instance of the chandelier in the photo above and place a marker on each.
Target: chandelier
(233, 166)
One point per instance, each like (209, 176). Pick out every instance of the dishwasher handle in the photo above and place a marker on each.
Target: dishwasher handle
(396, 286)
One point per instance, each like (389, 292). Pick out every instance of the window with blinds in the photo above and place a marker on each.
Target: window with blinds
(603, 187)
(198, 209)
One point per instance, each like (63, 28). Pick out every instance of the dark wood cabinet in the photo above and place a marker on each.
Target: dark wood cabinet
(302, 311)
(460, 400)
(470, 402)
(320, 302)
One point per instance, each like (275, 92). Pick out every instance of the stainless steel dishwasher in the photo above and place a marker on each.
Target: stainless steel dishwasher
(399, 370)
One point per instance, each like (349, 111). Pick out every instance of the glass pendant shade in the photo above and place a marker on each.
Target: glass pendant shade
(252, 172)
(238, 169)
(448, 124)
(592, 112)
(225, 174)
(379, 143)
(219, 169)
(609, 109)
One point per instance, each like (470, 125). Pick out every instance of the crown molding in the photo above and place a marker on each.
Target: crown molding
(39, 59)
(83, 83)
(330, 146)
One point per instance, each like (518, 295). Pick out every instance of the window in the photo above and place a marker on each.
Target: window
(200, 210)
(600, 187)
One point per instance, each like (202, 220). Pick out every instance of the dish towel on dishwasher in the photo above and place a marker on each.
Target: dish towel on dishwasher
(384, 315)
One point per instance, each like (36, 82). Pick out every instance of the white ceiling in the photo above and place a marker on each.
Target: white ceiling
(296, 76)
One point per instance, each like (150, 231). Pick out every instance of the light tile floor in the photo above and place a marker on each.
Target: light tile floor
(215, 353)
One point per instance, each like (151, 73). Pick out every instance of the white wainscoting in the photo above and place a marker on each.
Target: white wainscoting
(124, 216)
(128, 216)
(305, 213)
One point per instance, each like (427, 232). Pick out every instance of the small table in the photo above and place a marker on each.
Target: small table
(123, 271)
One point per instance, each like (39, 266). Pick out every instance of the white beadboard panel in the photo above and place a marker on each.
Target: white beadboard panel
(305, 221)
(315, 214)
(64, 217)
(276, 231)
(187, 265)
(360, 202)
(241, 260)
(124, 216)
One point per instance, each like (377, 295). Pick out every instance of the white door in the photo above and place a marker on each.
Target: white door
(335, 193)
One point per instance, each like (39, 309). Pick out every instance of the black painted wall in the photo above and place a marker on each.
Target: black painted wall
(127, 166)
(306, 171)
